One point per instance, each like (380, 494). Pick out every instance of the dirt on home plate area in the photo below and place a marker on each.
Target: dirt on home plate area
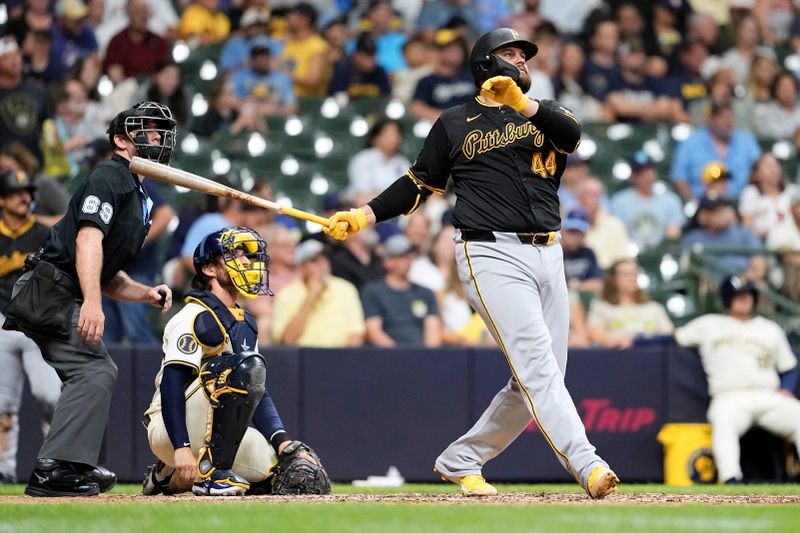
(511, 498)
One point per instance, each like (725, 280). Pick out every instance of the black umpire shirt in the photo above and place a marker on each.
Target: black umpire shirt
(506, 169)
(14, 248)
(112, 199)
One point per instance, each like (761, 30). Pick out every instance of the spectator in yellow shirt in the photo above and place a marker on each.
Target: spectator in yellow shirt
(318, 309)
(305, 52)
(203, 23)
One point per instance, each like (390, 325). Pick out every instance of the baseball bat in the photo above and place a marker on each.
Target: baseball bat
(182, 178)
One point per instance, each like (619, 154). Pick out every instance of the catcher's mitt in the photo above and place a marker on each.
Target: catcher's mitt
(295, 474)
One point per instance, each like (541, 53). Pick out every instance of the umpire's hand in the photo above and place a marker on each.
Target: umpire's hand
(160, 296)
(91, 320)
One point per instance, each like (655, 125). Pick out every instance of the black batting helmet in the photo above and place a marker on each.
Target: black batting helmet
(15, 180)
(734, 285)
(485, 65)
(142, 118)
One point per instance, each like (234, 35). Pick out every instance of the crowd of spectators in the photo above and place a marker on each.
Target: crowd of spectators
(723, 68)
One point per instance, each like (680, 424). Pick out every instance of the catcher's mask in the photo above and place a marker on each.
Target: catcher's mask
(244, 254)
(140, 120)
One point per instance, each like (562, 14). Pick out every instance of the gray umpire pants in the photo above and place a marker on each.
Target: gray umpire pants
(89, 376)
(19, 356)
(520, 292)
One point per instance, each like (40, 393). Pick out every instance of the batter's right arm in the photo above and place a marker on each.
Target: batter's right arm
(428, 175)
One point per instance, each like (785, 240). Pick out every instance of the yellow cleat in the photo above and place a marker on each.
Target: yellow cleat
(476, 485)
(602, 482)
(471, 485)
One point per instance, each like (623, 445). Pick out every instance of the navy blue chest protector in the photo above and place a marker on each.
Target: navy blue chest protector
(243, 333)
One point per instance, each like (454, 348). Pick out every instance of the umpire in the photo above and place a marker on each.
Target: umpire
(505, 154)
(57, 300)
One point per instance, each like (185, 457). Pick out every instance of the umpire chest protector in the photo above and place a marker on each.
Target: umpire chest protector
(219, 328)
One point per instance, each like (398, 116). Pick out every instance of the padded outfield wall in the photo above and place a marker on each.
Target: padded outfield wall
(366, 409)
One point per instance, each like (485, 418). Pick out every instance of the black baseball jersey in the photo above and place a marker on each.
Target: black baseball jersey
(15, 246)
(506, 169)
(114, 200)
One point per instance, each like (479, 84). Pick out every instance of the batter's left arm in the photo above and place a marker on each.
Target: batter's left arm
(551, 118)
(556, 122)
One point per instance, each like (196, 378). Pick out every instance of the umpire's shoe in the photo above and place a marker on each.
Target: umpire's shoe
(105, 478)
(52, 477)
(221, 483)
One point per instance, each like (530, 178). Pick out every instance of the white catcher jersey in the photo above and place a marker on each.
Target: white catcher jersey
(181, 347)
(739, 354)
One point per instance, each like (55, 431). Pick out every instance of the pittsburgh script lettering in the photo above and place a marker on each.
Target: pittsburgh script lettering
(478, 142)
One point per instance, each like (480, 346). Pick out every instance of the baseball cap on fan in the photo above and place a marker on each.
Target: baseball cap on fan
(307, 250)
(576, 220)
(253, 16)
(639, 161)
(397, 246)
(716, 170)
(71, 9)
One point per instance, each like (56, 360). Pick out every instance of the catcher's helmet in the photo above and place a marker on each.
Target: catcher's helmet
(733, 286)
(485, 65)
(142, 118)
(251, 279)
(15, 180)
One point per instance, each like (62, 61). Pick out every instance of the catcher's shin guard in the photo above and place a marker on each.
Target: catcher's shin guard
(234, 384)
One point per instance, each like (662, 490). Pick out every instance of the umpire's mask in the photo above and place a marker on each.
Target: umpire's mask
(142, 119)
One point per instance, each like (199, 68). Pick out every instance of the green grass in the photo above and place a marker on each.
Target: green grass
(178, 516)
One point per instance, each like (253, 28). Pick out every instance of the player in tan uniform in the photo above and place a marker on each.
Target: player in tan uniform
(752, 374)
(212, 424)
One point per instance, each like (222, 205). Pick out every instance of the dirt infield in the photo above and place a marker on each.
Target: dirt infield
(512, 498)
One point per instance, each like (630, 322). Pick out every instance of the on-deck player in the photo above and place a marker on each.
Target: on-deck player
(742, 355)
(506, 154)
(20, 234)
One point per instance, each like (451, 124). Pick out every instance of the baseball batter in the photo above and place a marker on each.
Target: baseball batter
(20, 235)
(505, 154)
(743, 356)
(212, 385)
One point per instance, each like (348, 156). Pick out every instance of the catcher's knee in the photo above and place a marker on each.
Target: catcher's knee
(250, 375)
(241, 375)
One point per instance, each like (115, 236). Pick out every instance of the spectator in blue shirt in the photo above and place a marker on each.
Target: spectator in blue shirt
(450, 84)
(601, 71)
(720, 140)
(438, 13)
(650, 214)
(359, 74)
(718, 226)
(399, 312)
(685, 80)
(253, 29)
(383, 25)
(635, 96)
(580, 264)
(73, 37)
(270, 90)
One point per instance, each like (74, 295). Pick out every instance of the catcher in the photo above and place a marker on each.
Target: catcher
(212, 424)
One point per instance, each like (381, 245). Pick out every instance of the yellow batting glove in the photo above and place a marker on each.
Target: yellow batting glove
(504, 90)
(342, 224)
